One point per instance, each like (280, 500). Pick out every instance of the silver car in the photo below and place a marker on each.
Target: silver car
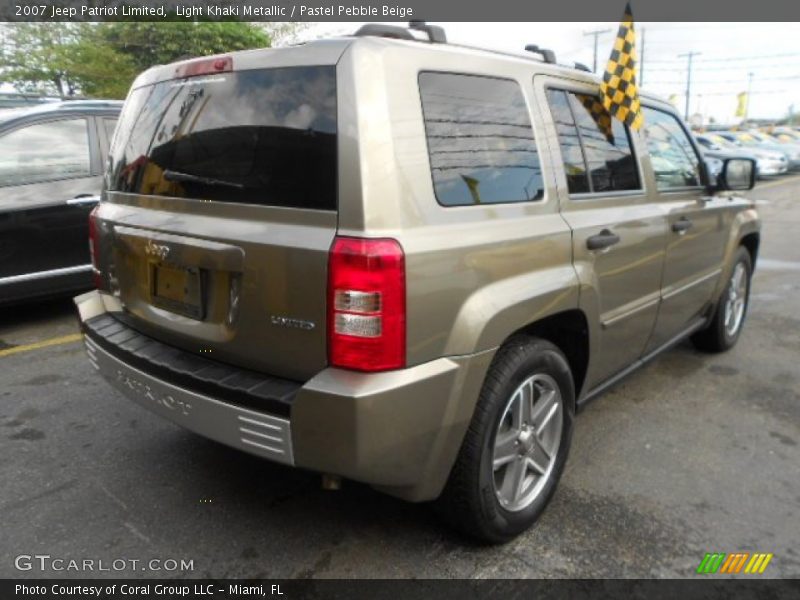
(754, 140)
(768, 162)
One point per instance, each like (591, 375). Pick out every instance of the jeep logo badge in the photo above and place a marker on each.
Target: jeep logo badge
(156, 250)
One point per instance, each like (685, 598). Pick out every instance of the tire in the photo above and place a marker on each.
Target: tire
(721, 334)
(478, 500)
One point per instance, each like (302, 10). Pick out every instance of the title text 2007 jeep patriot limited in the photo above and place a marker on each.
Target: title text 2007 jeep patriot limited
(403, 262)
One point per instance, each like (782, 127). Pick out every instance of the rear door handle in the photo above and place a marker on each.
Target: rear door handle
(83, 199)
(604, 239)
(682, 225)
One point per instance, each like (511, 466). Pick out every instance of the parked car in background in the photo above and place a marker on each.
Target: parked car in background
(715, 155)
(790, 146)
(752, 140)
(716, 148)
(51, 163)
(10, 100)
(784, 135)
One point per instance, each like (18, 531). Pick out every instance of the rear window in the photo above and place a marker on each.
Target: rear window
(257, 137)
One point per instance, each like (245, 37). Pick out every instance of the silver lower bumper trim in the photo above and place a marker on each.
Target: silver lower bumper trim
(257, 433)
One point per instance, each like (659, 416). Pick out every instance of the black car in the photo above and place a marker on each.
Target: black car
(51, 164)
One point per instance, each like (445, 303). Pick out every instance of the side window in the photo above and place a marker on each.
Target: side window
(570, 143)
(110, 125)
(44, 152)
(596, 149)
(674, 159)
(480, 140)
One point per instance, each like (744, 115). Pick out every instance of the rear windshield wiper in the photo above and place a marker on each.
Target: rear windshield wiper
(189, 178)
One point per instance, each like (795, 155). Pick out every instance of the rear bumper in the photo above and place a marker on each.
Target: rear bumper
(399, 431)
(259, 433)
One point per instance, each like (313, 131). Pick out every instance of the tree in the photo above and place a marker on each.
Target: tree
(99, 70)
(35, 57)
(102, 59)
(151, 43)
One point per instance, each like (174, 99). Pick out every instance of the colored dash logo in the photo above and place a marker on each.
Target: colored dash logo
(734, 563)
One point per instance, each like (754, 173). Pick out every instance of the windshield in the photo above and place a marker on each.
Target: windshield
(259, 137)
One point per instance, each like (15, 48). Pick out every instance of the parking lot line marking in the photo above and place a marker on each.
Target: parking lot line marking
(64, 339)
(774, 183)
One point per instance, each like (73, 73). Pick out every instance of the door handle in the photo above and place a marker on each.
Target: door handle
(682, 225)
(83, 199)
(604, 239)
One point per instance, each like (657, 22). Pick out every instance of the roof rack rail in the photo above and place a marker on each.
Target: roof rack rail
(436, 34)
(548, 55)
(390, 31)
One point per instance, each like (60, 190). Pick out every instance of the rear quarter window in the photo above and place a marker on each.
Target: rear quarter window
(480, 140)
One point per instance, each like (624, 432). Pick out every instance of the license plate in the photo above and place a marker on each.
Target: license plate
(178, 290)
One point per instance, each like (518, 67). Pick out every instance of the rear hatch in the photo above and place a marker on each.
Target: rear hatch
(221, 199)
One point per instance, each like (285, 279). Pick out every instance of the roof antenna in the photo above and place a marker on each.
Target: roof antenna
(548, 55)
(436, 34)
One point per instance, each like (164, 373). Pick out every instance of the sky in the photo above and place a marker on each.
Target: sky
(728, 53)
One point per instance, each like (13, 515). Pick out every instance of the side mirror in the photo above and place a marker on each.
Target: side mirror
(737, 174)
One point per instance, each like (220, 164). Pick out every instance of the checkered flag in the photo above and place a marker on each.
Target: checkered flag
(618, 91)
(598, 112)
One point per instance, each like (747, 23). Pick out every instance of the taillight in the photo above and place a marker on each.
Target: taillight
(94, 248)
(204, 66)
(367, 304)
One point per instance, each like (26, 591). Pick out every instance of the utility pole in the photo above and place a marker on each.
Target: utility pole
(747, 100)
(689, 56)
(641, 61)
(595, 33)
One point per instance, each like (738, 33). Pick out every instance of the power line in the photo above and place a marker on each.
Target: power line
(722, 81)
(758, 93)
(733, 58)
(784, 65)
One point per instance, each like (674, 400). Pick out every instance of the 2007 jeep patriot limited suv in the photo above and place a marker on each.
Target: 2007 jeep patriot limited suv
(404, 263)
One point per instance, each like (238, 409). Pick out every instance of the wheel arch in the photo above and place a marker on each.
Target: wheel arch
(745, 231)
(569, 332)
(751, 241)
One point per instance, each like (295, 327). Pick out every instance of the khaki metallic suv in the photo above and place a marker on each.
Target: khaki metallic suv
(403, 262)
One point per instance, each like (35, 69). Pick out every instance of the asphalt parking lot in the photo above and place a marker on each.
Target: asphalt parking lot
(693, 454)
